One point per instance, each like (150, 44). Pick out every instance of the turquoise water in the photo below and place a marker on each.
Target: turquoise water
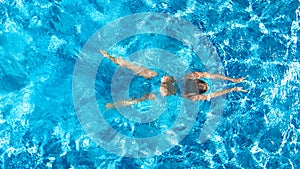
(41, 41)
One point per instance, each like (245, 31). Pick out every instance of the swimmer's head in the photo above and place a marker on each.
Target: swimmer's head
(202, 86)
(196, 86)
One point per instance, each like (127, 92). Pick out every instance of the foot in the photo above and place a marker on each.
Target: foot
(109, 106)
(105, 54)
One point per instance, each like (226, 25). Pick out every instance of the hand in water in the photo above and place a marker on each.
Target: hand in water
(151, 96)
(240, 89)
(239, 80)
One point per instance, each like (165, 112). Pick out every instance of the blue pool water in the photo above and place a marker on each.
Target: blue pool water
(41, 42)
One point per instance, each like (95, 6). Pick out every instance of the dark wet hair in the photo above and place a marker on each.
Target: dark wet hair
(196, 86)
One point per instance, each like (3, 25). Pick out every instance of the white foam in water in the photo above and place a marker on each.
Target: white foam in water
(294, 29)
(11, 26)
(58, 131)
(263, 29)
(279, 90)
(151, 3)
(4, 139)
(95, 15)
(292, 74)
(55, 43)
(21, 102)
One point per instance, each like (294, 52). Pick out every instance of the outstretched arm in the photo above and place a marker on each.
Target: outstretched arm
(129, 102)
(215, 94)
(139, 70)
(197, 75)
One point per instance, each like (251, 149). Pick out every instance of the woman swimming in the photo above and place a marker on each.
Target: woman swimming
(194, 88)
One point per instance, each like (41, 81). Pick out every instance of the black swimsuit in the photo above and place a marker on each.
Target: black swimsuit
(190, 87)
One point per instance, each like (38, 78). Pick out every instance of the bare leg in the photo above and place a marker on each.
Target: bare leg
(197, 75)
(139, 70)
(215, 94)
(129, 102)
